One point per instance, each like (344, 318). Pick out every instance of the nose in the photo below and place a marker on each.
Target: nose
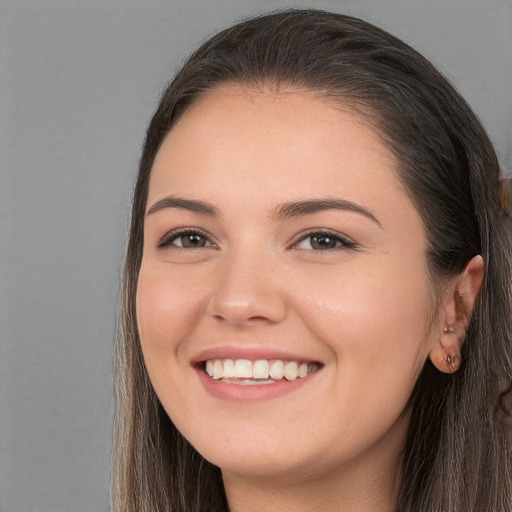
(248, 291)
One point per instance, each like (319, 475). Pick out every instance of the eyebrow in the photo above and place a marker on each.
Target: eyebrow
(309, 206)
(283, 211)
(192, 205)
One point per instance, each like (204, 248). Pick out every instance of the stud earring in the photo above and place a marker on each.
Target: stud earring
(452, 362)
(448, 330)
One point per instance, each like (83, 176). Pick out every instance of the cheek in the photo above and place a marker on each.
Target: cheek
(166, 307)
(375, 329)
(167, 310)
(375, 317)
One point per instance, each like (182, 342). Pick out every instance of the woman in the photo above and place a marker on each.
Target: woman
(317, 284)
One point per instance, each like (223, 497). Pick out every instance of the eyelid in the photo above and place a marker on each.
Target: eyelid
(170, 236)
(346, 242)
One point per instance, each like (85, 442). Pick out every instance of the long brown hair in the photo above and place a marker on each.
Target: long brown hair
(458, 453)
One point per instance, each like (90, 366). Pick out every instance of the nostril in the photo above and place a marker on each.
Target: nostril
(258, 308)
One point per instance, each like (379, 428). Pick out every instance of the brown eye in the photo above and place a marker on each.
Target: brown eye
(325, 241)
(191, 241)
(186, 240)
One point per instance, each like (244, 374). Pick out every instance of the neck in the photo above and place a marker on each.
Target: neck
(368, 483)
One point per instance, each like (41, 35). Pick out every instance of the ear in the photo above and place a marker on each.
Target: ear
(457, 303)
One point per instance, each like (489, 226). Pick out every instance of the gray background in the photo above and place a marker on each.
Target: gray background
(78, 82)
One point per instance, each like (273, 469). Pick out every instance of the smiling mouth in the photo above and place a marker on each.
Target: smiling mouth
(260, 371)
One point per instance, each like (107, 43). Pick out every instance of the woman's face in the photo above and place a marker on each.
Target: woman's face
(278, 239)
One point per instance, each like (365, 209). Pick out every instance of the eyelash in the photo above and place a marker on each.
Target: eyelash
(341, 242)
(169, 239)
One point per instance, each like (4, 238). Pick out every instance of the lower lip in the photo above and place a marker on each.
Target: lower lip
(252, 392)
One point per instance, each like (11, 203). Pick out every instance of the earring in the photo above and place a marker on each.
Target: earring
(452, 362)
(506, 402)
(448, 330)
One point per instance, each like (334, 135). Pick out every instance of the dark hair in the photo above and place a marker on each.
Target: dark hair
(458, 452)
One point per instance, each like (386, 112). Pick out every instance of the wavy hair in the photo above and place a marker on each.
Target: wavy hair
(458, 451)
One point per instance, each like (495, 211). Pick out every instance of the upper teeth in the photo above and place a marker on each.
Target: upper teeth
(274, 369)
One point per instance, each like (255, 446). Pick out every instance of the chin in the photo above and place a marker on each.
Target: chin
(248, 455)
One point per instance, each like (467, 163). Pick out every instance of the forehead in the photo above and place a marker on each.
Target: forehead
(278, 134)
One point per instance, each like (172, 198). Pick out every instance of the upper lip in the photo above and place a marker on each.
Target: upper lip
(249, 352)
